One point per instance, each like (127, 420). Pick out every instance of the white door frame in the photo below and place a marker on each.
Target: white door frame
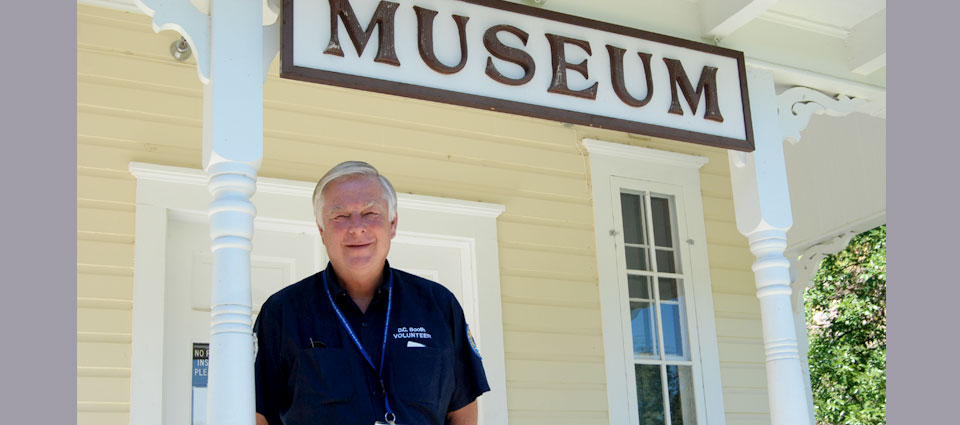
(468, 226)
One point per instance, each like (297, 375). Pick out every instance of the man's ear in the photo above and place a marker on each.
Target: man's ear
(393, 225)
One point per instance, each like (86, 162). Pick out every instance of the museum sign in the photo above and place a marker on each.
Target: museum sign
(517, 59)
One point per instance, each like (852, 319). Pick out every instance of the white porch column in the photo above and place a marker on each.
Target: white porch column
(232, 151)
(762, 204)
(233, 49)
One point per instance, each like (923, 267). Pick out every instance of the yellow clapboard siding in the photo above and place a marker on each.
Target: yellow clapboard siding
(110, 321)
(736, 306)
(135, 126)
(106, 189)
(540, 274)
(160, 69)
(104, 253)
(300, 95)
(537, 318)
(348, 128)
(745, 401)
(102, 418)
(95, 285)
(553, 346)
(732, 281)
(718, 209)
(748, 418)
(715, 185)
(744, 377)
(545, 235)
(724, 233)
(398, 161)
(508, 217)
(120, 30)
(152, 99)
(554, 399)
(555, 262)
(117, 155)
(545, 372)
(727, 256)
(103, 354)
(739, 328)
(105, 221)
(103, 389)
(548, 291)
(741, 351)
(546, 417)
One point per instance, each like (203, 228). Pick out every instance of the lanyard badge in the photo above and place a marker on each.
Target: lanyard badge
(389, 417)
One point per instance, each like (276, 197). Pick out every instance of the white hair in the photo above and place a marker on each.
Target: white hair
(353, 169)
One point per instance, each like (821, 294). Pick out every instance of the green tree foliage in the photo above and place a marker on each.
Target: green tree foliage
(846, 312)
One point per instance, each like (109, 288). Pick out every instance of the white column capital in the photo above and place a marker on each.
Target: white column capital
(796, 105)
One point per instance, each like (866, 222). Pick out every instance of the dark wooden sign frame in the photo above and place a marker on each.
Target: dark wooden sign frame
(291, 71)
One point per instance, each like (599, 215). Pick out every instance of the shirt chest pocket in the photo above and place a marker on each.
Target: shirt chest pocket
(324, 376)
(421, 376)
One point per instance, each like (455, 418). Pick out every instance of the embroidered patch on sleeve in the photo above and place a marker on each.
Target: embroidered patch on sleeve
(473, 344)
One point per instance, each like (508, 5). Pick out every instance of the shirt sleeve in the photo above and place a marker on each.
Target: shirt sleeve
(470, 381)
(267, 366)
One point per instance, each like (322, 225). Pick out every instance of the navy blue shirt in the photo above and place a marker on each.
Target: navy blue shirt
(309, 371)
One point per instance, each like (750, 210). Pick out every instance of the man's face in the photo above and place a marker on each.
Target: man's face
(356, 225)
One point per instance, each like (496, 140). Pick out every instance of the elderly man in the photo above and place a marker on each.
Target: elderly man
(361, 342)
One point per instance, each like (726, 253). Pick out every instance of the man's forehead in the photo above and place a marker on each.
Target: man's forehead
(372, 203)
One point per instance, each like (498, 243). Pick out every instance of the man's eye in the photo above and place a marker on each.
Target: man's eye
(370, 214)
(340, 217)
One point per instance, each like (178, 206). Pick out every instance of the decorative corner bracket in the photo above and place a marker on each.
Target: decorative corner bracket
(797, 104)
(807, 263)
(183, 17)
(191, 19)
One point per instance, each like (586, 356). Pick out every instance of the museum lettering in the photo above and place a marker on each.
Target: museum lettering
(383, 23)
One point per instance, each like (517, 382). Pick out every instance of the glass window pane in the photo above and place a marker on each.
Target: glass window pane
(636, 258)
(665, 261)
(662, 232)
(674, 335)
(639, 287)
(668, 289)
(643, 328)
(631, 207)
(649, 394)
(680, 393)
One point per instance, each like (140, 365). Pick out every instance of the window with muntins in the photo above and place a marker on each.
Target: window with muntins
(650, 267)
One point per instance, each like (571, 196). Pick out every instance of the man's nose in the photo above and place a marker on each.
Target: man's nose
(354, 223)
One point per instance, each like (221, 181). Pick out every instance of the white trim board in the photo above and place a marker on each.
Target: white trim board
(165, 191)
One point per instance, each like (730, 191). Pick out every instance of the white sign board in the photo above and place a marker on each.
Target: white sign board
(517, 59)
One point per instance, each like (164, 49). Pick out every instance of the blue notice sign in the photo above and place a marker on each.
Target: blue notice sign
(201, 361)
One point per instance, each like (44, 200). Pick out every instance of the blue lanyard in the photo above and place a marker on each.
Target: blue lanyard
(389, 416)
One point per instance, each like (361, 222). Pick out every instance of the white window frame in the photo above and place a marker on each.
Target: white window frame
(613, 167)
(165, 190)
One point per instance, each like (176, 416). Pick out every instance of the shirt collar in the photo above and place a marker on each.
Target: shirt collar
(333, 282)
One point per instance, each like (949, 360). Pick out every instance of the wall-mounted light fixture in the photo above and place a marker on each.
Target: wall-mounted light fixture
(180, 49)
